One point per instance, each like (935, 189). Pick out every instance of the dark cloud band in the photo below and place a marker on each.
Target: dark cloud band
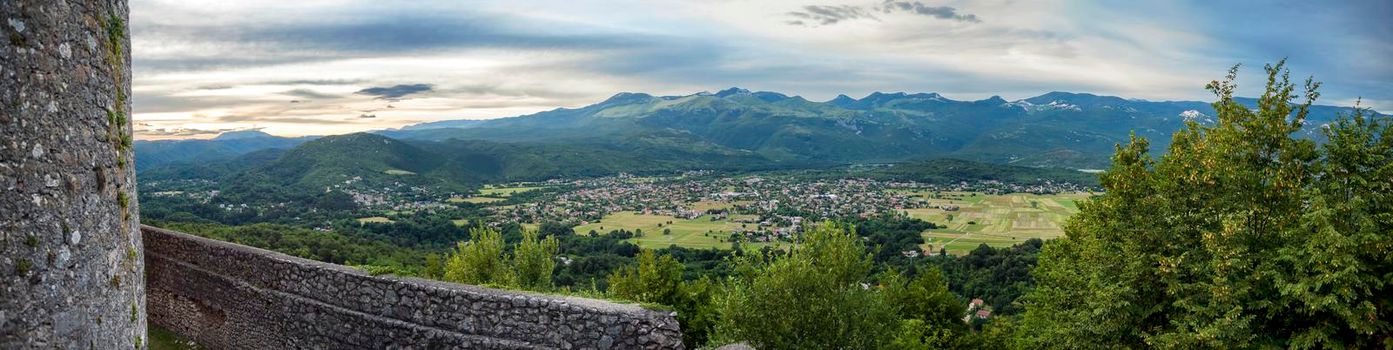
(814, 15)
(395, 92)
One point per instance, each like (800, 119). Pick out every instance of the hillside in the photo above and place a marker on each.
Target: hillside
(370, 160)
(941, 171)
(229, 145)
(1056, 129)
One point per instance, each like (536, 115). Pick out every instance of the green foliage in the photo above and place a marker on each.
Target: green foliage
(658, 279)
(1338, 273)
(481, 260)
(163, 339)
(377, 270)
(931, 313)
(651, 279)
(943, 171)
(331, 247)
(925, 297)
(811, 298)
(997, 276)
(22, 267)
(435, 267)
(1241, 236)
(484, 260)
(534, 260)
(891, 233)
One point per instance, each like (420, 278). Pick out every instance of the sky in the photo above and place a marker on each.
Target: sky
(313, 67)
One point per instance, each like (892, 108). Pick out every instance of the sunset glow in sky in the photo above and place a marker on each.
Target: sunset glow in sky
(309, 67)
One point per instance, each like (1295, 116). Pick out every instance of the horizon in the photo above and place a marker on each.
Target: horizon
(327, 67)
(214, 135)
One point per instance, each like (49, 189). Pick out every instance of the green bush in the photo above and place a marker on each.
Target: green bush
(812, 298)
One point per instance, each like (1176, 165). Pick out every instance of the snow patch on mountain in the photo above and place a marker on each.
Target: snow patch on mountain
(1196, 116)
(1060, 105)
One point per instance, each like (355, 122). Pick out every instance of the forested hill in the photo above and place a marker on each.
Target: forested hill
(459, 164)
(154, 154)
(1056, 129)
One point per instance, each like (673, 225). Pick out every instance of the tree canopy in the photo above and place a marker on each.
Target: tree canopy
(1243, 234)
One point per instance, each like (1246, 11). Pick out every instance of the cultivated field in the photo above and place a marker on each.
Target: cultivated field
(374, 219)
(700, 232)
(475, 200)
(998, 220)
(504, 192)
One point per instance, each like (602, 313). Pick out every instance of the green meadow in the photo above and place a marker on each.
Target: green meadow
(701, 232)
(504, 192)
(996, 220)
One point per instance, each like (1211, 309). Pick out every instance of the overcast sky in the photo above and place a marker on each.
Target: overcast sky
(309, 67)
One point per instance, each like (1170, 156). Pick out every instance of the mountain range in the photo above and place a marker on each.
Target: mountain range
(734, 129)
(1056, 129)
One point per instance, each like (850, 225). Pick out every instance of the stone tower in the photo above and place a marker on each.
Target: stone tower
(71, 262)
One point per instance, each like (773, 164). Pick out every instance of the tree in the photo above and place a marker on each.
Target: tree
(534, 260)
(925, 297)
(481, 260)
(658, 279)
(932, 315)
(651, 279)
(811, 297)
(1336, 277)
(435, 266)
(1240, 236)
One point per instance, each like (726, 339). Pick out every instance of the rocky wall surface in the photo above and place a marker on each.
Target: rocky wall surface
(229, 296)
(71, 274)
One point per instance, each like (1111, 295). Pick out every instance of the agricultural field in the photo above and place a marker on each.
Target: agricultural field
(505, 192)
(997, 220)
(690, 233)
(475, 200)
(374, 219)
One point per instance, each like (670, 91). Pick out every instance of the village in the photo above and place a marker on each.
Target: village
(697, 208)
(753, 208)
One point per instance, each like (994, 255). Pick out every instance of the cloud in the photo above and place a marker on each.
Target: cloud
(500, 59)
(351, 34)
(181, 132)
(314, 82)
(367, 116)
(242, 118)
(815, 15)
(828, 15)
(395, 92)
(308, 94)
(940, 12)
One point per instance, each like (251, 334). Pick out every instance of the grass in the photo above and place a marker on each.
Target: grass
(703, 206)
(164, 339)
(690, 233)
(996, 220)
(475, 200)
(374, 219)
(504, 192)
(460, 222)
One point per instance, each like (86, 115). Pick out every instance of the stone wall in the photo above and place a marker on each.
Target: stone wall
(224, 295)
(70, 258)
